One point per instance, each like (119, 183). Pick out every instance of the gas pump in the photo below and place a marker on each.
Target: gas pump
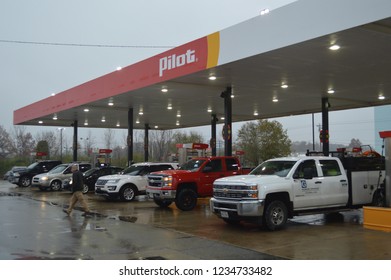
(102, 158)
(191, 150)
(379, 218)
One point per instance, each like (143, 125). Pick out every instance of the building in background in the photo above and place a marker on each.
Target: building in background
(382, 118)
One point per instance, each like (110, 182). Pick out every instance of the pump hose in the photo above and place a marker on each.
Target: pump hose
(379, 191)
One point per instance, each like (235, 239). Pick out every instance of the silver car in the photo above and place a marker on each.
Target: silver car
(54, 179)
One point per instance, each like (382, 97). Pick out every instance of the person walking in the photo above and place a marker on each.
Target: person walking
(77, 194)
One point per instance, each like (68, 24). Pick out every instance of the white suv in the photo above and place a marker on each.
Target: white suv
(131, 182)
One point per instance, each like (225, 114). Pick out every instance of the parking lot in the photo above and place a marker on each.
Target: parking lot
(338, 236)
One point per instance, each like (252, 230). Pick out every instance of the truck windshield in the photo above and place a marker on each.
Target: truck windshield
(192, 165)
(279, 168)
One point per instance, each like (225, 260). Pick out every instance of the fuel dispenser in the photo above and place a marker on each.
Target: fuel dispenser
(191, 150)
(102, 158)
(379, 218)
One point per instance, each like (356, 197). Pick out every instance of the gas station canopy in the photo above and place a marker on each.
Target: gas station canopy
(278, 64)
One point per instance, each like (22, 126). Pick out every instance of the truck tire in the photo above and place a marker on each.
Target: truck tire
(379, 199)
(25, 181)
(162, 203)
(55, 185)
(128, 193)
(276, 215)
(186, 200)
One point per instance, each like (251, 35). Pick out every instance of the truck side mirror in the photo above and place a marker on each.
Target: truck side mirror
(308, 173)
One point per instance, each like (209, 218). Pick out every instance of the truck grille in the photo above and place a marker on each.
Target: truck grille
(155, 181)
(101, 182)
(233, 192)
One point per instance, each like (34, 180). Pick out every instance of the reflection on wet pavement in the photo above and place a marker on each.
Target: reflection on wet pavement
(320, 236)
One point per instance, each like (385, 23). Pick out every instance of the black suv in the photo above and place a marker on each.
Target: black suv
(23, 178)
(91, 176)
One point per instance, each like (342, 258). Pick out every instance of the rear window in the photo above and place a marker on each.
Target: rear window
(231, 164)
(330, 168)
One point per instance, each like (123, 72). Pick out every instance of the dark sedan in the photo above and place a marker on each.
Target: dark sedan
(92, 175)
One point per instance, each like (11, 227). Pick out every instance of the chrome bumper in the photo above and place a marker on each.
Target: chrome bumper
(245, 208)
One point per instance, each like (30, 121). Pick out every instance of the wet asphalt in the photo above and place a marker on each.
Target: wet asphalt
(33, 226)
(39, 230)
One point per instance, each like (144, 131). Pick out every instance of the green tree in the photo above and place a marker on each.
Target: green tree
(263, 140)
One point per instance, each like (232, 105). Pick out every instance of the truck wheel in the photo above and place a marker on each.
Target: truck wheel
(186, 200)
(276, 215)
(25, 181)
(55, 186)
(162, 203)
(379, 199)
(128, 193)
(85, 189)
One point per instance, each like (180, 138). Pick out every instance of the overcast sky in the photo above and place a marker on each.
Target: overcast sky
(31, 72)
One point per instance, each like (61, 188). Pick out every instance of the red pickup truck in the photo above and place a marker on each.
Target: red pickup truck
(192, 180)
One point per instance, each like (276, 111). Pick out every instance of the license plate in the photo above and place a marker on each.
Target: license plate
(224, 214)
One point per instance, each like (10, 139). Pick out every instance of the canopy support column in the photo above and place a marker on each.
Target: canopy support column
(213, 132)
(146, 142)
(325, 126)
(130, 136)
(227, 130)
(74, 146)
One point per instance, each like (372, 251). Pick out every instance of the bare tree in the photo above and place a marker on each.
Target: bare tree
(22, 142)
(88, 143)
(5, 143)
(160, 142)
(109, 138)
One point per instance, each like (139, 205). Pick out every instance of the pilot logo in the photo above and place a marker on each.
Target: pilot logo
(175, 61)
(303, 184)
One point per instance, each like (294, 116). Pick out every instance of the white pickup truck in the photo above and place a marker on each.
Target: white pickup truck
(281, 188)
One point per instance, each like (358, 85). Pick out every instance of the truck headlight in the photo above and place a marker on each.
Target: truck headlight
(167, 181)
(112, 181)
(253, 191)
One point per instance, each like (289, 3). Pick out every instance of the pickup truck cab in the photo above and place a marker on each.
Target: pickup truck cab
(192, 180)
(280, 188)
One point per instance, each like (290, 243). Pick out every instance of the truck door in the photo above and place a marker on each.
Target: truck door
(212, 170)
(334, 190)
(306, 185)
